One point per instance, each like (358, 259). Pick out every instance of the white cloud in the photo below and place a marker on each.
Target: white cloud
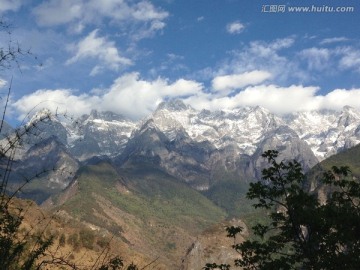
(147, 30)
(56, 12)
(349, 58)
(338, 98)
(235, 27)
(79, 13)
(128, 95)
(145, 11)
(236, 81)
(272, 97)
(3, 83)
(62, 100)
(338, 59)
(136, 98)
(9, 5)
(316, 58)
(333, 40)
(286, 63)
(279, 100)
(93, 46)
(281, 43)
(259, 55)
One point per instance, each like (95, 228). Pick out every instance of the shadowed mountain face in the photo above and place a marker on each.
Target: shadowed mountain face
(47, 168)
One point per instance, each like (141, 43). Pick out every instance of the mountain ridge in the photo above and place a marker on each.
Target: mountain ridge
(195, 146)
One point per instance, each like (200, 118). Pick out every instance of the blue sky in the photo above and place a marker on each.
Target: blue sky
(128, 56)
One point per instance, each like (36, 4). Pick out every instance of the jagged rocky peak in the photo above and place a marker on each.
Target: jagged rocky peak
(173, 105)
(350, 109)
(259, 110)
(264, 116)
(348, 116)
(147, 125)
(41, 115)
(107, 116)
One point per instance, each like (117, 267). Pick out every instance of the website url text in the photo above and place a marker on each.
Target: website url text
(306, 9)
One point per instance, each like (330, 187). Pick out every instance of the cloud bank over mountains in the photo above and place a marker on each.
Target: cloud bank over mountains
(135, 97)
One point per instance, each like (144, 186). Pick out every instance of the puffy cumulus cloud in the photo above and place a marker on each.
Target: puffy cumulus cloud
(62, 100)
(338, 98)
(275, 98)
(80, 13)
(93, 46)
(235, 81)
(136, 98)
(279, 100)
(235, 27)
(10, 5)
(129, 95)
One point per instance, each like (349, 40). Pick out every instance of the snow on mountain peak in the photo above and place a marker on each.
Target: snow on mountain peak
(173, 105)
(325, 131)
(41, 115)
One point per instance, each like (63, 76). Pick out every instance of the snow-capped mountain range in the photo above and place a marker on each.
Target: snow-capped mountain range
(198, 147)
(326, 132)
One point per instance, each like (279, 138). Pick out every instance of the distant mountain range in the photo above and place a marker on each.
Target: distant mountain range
(200, 148)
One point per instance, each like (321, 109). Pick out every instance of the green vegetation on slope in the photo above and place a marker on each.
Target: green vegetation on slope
(349, 157)
(230, 195)
(168, 199)
(145, 207)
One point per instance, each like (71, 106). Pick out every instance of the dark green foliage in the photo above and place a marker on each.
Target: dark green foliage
(302, 233)
(210, 266)
(73, 240)
(117, 263)
(113, 264)
(87, 238)
(19, 251)
(231, 196)
(62, 240)
(233, 231)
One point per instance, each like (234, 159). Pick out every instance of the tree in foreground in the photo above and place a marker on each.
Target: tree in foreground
(302, 232)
